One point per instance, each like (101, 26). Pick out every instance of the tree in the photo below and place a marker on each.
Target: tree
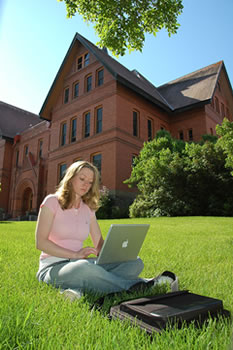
(122, 24)
(177, 178)
(226, 141)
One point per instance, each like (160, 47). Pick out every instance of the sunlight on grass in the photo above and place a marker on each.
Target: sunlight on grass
(35, 316)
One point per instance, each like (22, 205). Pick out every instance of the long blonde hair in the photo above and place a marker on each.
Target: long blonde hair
(65, 192)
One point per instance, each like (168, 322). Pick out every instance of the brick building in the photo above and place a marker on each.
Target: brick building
(98, 110)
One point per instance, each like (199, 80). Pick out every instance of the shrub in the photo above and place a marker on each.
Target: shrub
(104, 212)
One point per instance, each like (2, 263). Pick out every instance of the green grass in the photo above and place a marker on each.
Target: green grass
(35, 316)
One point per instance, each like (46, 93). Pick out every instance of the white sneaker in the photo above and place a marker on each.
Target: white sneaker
(71, 294)
(168, 277)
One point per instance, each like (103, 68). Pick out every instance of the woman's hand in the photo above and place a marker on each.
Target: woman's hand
(85, 252)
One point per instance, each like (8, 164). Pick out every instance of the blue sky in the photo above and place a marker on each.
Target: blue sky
(35, 36)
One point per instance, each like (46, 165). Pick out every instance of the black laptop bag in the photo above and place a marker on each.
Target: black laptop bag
(155, 313)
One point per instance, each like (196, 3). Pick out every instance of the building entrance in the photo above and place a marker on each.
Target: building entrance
(27, 200)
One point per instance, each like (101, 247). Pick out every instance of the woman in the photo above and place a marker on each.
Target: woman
(65, 220)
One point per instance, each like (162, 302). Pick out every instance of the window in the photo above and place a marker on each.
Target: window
(63, 134)
(217, 104)
(17, 158)
(190, 133)
(66, 95)
(222, 110)
(100, 77)
(62, 171)
(227, 113)
(181, 135)
(211, 131)
(76, 90)
(26, 150)
(99, 117)
(83, 61)
(86, 59)
(149, 129)
(88, 83)
(135, 123)
(73, 130)
(87, 124)
(80, 63)
(97, 161)
(40, 148)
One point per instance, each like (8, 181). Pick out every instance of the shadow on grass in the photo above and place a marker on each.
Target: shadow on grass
(5, 222)
(104, 303)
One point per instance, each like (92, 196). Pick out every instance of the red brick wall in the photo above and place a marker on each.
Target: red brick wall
(116, 142)
(30, 171)
(6, 153)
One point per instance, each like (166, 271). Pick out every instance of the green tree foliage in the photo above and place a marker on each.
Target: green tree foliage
(177, 178)
(122, 24)
(226, 141)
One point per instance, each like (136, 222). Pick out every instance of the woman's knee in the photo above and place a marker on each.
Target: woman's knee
(80, 268)
(67, 273)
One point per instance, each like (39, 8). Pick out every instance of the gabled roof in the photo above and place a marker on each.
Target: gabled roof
(14, 120)
(131, 79)
(189, 91)
(136, 82)
(192, 89)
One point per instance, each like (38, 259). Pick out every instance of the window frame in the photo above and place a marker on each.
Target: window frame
(17, 158)
(60, 174)
(96, 165)
(40, 148)
(79, 65)
(136, 123)
(66, 95)
(88, 86)
(63, 133)
(25, 151)
(190, 134)
(86, 59)
(85, 134)
(98, 124)
(73, 136)
(150, 131)
(216, 102)
(99, 81)
(74, 89)
(223, 113)
(181, 132)
(83, 61)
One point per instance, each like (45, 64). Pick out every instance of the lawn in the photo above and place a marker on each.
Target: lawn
(35, 316)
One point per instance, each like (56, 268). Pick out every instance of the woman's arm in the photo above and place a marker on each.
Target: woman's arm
(96, 235)
(43, 228)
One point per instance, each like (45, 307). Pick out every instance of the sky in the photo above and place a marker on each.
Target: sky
(35, 36)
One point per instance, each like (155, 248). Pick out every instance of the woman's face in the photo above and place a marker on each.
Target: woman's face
(83, 181)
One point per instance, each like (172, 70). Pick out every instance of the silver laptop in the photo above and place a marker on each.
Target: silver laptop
(123, 243)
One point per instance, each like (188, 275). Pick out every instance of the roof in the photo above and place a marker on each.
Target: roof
(14, 120)
(186, 92)
(131, 79)
(194, 88)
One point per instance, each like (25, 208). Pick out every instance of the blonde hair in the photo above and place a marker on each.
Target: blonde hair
(65, 192)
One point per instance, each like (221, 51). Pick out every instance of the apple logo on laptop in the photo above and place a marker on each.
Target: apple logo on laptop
(125, 244)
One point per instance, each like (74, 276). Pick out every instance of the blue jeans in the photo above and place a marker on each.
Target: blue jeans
(85, 276)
